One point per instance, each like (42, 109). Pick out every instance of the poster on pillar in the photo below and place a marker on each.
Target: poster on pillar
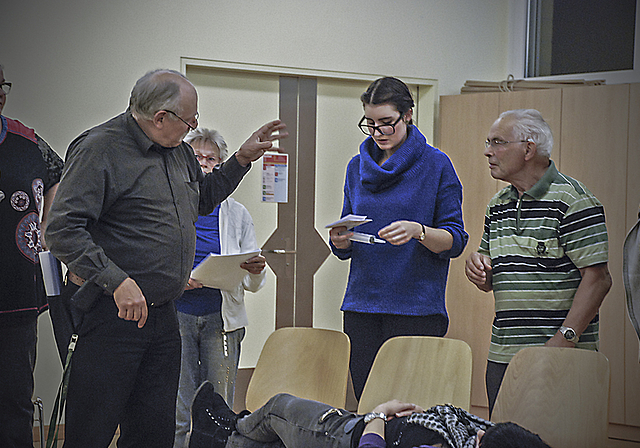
(275, 172)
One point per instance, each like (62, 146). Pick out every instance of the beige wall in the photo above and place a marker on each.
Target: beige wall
(73, 62)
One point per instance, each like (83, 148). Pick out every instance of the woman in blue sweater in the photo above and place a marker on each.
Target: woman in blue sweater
(413, 196)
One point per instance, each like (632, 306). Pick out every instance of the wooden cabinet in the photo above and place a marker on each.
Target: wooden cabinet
(597, 140)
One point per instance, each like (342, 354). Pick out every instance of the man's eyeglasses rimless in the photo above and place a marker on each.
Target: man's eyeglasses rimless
(6, 87)
(496, 142)
(194, 119)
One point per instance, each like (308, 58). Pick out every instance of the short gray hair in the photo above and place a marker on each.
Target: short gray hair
(529, 124)
(204, 135)
(153, 92)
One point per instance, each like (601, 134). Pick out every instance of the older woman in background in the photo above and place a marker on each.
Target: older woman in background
(212, 321)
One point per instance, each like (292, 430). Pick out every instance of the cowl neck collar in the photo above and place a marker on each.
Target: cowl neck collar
(376, 178)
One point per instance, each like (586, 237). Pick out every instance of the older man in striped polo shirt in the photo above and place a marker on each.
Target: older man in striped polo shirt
(544, 250)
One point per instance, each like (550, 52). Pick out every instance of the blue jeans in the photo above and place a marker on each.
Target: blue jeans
(208, 353)
(289, 421)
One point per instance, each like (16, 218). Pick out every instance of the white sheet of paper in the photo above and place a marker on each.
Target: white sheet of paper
(50, 273)
(349, 221)
(222, 271)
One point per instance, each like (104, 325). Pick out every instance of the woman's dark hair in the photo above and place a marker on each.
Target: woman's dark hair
(389, 90)
(510, 435)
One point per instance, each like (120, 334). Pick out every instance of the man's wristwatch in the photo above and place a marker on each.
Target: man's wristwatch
(373, 415)
(569, 334)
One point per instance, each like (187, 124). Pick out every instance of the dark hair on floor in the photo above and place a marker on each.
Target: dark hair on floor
(511, 435)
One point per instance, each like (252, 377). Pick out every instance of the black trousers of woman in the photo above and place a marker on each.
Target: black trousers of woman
(368, 332)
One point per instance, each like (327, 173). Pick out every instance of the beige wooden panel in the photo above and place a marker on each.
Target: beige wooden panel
(594, 150)
(337, 141)
(236, 104)
(632, 366)
(464, 123)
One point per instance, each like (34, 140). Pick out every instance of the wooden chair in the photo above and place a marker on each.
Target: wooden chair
(562, 394)
(311, 363)
(419, 369)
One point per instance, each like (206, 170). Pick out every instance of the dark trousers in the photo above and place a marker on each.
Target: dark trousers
(18, 358)
(494, 376)
(368, 332)
(121, 375)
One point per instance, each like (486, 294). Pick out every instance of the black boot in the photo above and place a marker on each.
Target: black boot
(212, 422)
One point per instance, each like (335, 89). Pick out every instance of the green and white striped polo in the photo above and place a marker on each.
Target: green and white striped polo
(537, 244)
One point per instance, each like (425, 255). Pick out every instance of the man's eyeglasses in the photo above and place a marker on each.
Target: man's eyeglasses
(384, 129)
(496, 142)
(6, 87)
(195, 118)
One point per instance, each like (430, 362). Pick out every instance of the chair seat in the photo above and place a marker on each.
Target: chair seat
(424, 370)
(310, 363)
(562, 394)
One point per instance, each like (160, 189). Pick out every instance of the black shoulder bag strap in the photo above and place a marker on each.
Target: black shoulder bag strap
(58, 408)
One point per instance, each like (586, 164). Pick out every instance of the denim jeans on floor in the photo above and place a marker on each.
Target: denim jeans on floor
(289, 421)
(208, 353)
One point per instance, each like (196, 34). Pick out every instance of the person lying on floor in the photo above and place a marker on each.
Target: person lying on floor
(288, 421)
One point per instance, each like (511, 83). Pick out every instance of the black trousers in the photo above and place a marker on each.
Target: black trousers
(120, 375)
(18, 358)
(368, 332)
(493, 378)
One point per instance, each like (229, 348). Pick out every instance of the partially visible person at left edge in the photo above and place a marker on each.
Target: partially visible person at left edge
(123, 223)
(29, 175)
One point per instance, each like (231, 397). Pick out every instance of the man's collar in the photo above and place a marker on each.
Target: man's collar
(3, 128)
(539, 189)
(542, 186)
(142, 140)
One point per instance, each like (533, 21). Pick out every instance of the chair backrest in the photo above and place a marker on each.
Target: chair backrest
(423, 370)
(311, 363)
(561, 394)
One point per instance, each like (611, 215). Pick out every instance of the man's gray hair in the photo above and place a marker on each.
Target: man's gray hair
(154, 92)
(204, 135)
(529, 124)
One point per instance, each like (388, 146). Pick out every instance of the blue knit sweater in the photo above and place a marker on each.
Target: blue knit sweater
(417, 183)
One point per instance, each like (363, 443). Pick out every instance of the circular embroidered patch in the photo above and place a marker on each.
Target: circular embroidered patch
(20, 201)
(28, 236)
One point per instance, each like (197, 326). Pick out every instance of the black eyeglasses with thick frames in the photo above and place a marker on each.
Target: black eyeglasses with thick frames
(6, 87)
(195, 117)
(384, 129)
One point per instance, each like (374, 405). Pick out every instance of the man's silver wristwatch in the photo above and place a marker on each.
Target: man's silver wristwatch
(569, 334)
(373, 415)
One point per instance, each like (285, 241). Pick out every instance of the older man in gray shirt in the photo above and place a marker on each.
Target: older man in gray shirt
(123, 223)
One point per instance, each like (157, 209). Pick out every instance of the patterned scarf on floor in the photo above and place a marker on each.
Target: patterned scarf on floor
(457, 426)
